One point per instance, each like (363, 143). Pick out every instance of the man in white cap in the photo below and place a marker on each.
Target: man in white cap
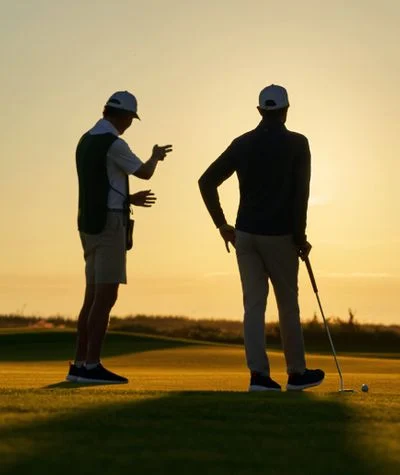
(104, 161)
(273, 168)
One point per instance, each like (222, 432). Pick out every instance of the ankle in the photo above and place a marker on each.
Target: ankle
(259, 374)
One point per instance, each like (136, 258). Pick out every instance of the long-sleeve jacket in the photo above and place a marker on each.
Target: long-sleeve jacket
(273, 168)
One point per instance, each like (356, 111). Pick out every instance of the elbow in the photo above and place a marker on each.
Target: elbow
(207, 183)
(206, 186)
(202, 182)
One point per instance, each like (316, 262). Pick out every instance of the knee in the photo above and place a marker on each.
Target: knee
(107, 297)
(257, 303)
(112, 299)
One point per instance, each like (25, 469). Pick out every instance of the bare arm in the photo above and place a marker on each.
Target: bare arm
(148, 168)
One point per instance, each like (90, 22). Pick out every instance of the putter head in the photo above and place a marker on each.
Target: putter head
(347, 391)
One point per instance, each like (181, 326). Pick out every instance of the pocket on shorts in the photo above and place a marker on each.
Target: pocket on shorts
(114, 222)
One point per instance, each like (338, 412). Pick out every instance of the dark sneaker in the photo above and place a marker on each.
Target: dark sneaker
(310, 378)
(259, 382)
(74, 373)
(101, 375)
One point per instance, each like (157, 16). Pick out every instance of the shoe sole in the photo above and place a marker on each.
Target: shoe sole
(297, 387)
(99, 381)
(256, 388)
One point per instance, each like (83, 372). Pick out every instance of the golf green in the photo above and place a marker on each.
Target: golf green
(186, 410)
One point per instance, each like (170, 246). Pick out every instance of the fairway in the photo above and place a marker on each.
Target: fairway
(186, 410)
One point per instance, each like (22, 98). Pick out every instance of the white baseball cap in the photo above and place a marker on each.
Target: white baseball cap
(123, 100)
(273, 97)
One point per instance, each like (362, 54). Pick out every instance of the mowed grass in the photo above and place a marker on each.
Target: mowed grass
(186, 411)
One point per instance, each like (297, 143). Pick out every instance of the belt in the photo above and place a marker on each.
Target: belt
(117, 210)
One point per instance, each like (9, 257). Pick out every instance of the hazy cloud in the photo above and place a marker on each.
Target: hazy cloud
(217, 274)
(360, 275)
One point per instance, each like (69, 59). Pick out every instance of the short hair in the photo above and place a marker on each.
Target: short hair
(110, 111)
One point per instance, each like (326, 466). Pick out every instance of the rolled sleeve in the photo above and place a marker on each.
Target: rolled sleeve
(123, 157)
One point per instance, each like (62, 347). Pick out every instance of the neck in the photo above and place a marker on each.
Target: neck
(272, 123)
(114, 123)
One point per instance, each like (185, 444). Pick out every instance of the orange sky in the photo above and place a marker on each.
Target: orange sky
(196, 70)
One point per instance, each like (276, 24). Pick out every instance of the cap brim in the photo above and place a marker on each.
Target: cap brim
(273, 108)
(114, 106)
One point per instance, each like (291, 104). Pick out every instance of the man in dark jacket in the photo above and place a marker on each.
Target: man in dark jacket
(273, 168)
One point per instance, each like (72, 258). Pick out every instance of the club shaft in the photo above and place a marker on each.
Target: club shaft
(331, 342)
(312, 278)
(315, 288)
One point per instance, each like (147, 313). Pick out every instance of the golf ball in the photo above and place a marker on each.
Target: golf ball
(364, 388)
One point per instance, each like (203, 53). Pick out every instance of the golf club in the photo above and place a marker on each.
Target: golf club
(314, 285)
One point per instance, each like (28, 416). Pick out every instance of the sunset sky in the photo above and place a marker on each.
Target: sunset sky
(196, 69)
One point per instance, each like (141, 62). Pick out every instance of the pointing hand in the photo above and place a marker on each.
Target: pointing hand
(160, 152)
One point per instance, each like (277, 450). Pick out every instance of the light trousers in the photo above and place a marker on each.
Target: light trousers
(262, 259)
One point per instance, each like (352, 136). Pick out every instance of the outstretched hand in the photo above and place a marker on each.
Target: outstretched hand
(161, 151)
(228, 234)
(143, 198)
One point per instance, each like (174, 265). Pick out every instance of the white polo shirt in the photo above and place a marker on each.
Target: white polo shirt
(121, 161)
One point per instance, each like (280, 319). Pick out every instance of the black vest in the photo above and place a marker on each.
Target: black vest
(91, 165)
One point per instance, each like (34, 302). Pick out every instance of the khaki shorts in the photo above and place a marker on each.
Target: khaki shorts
(105, 253)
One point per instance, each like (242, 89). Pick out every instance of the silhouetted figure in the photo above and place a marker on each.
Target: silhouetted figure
(273, 168)
(103, 162)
